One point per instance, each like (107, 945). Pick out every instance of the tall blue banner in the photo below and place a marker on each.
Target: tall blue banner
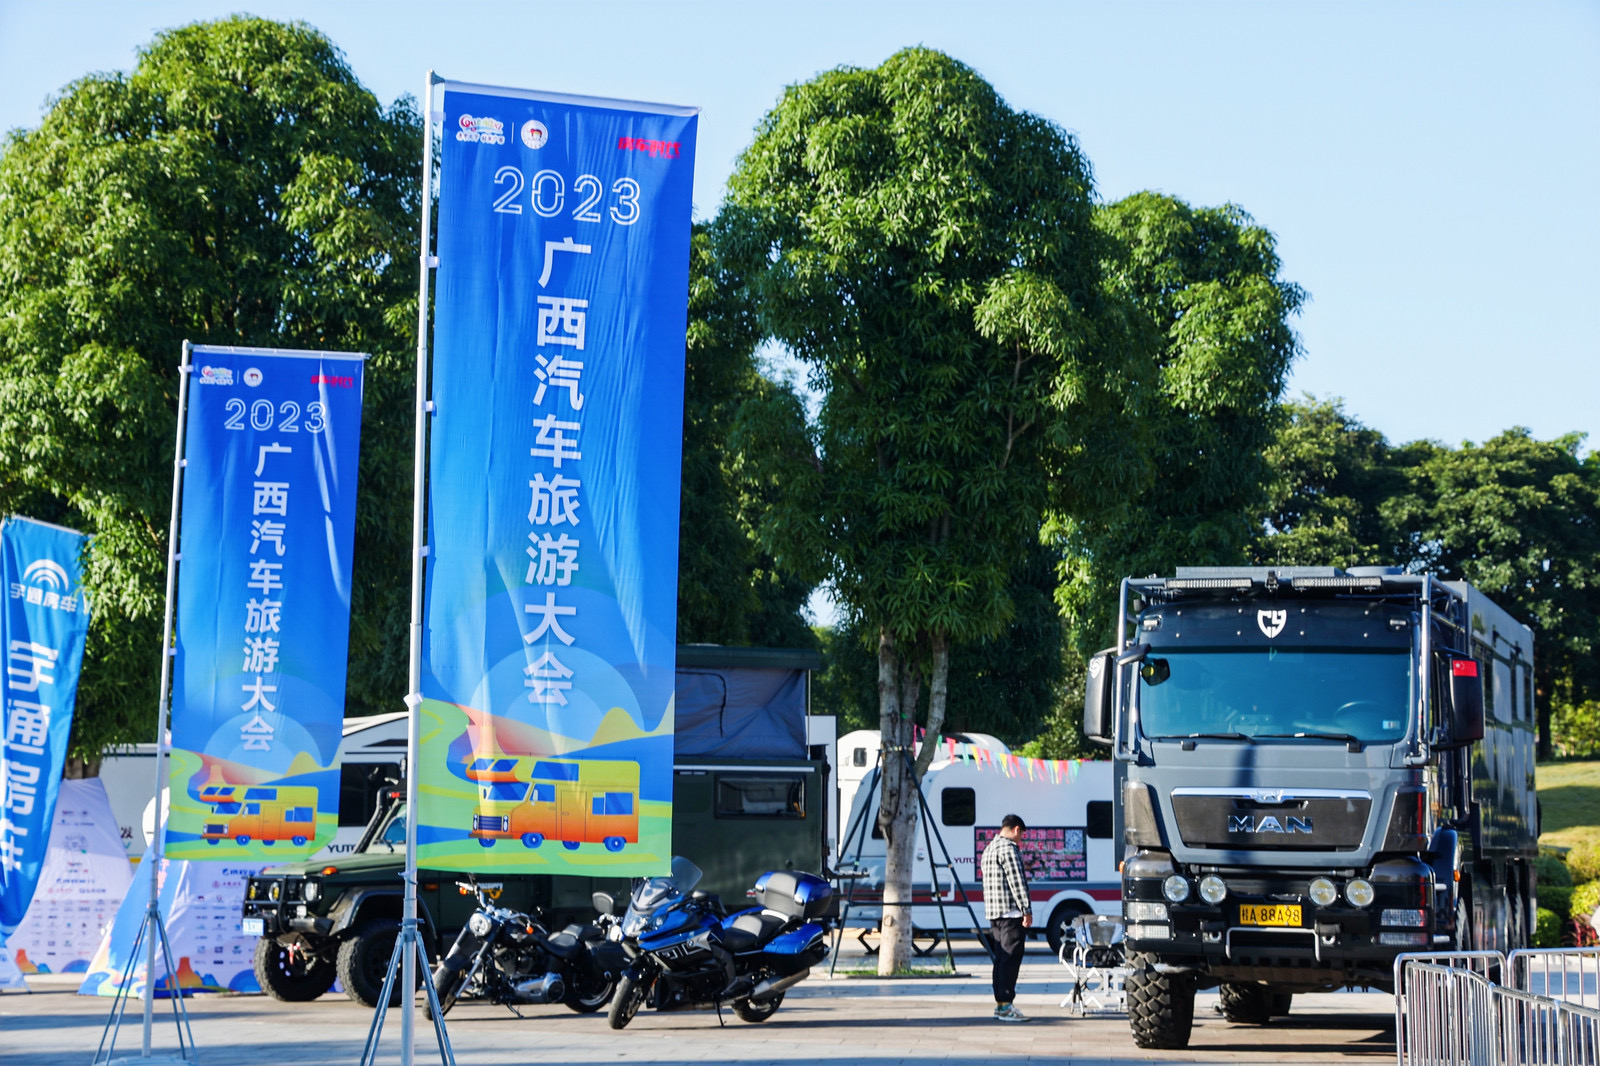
(558, 366)
(42, 626)
(263, 613)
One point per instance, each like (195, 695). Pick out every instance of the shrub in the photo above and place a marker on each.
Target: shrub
(1551, 871)
(1557, 898)
(1547, 930)
(1583, 862)
(1585, 898)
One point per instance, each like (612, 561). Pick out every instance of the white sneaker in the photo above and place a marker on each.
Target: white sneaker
(1007, 1012)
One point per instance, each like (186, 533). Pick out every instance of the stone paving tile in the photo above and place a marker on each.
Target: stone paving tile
(826, 1023)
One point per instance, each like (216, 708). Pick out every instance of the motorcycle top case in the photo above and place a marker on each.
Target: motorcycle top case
(793, 894)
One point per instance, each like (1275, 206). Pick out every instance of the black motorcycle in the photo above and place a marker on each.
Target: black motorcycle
(686, 956)
(507, 957)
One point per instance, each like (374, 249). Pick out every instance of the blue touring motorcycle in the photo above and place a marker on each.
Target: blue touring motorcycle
(687, 956)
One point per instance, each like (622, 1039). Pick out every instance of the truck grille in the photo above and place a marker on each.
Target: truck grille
(1305, 821)
(493, 823)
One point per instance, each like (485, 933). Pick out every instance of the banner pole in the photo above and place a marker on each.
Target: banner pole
(408, 986)
(162, 709)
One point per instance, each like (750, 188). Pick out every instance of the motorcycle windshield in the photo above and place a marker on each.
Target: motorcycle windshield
(658, 893)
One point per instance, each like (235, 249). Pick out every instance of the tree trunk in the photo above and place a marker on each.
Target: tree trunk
(938, 698)
(897, 811)
(76, 768)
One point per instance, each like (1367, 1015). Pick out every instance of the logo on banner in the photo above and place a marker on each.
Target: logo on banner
(481, 130)
(252, 377)
(534, 134)
(1272, 622)
(215, 375)
(45, 584)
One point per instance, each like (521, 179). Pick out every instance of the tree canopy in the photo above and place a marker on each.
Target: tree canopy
(238, 187)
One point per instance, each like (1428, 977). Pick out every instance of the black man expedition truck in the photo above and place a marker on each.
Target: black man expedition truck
(1320, 769)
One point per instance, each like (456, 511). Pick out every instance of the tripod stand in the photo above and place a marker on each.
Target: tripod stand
(858, 833)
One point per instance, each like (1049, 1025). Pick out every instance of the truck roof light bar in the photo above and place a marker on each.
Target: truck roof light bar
(1179, 584)
(1365, 584)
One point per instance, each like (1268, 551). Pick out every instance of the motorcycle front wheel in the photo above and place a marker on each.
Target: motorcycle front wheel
(631, 990)
(447, 985)
(751, 1011)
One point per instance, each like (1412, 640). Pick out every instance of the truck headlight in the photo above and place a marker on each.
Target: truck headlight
(1323, 892)
(1213, 889)
(1359, 892)
(313, 890)
(276, 891)
(1145, 911)
(1175, 888)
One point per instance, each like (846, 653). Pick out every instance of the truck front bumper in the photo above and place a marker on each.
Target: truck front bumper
(1268, 927)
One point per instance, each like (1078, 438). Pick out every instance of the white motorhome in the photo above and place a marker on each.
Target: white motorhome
(1068, 850)
(370, 753)
(858, 756)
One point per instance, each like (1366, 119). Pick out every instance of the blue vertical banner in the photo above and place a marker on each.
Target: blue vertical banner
(43, 622)
(551, 605)
(263, 613)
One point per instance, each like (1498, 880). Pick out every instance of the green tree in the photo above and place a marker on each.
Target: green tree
(928, 253)
(1520, 519)
(1207, 322)
(729, 589)
(1332, 477)
(240, 187)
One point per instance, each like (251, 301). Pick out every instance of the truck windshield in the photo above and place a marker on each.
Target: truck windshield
(1273, 692)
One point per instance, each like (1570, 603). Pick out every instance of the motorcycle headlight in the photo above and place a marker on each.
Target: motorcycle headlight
(1323, 892)
(480, 925)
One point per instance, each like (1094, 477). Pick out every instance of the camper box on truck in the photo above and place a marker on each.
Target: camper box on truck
(1068, 851)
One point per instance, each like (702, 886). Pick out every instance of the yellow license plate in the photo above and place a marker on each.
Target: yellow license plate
(1269, 914)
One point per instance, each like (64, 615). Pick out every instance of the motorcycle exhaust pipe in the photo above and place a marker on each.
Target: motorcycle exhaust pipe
(772, 986)
(547, 988)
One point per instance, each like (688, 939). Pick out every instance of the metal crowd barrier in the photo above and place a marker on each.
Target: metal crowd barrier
(1450, 1010)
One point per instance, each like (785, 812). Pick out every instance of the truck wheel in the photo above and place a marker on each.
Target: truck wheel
(614, 843)
(1246, 1004)
(299, 842)
(364, 961)
(1160, 1005)
(626, 1003)
(751, 1011)
(570, 845)
(1059, 929)
(532, 840)
(1280, 1003)
(291, 974)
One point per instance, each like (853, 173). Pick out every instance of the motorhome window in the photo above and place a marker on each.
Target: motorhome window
(544, 793)
(1278, 691)
(613, 803)
(260, 793)
(1099, 819)
(252, 808)
(556, 771)
(227, 808)
(361, 789)
(300, 814)
(505, 791)
(761, 796)
(958, 806)
(858, 757)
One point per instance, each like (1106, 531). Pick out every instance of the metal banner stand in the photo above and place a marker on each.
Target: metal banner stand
(152, 928)
(858, 833)
(409, 949)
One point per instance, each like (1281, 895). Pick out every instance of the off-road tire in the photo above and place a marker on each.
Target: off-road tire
(364, 961)
(625, 1003)
(586, 998)
(1160, 1006)
(291, 976)
(751, 1011)
(1246, 1004)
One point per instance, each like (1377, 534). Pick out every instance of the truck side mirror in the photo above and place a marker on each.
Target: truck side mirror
(1097, 701)
(1466, 702)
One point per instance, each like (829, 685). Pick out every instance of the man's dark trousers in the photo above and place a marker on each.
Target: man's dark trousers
(1008, 938)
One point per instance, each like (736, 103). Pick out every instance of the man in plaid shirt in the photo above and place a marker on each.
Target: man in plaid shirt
(1007, 907)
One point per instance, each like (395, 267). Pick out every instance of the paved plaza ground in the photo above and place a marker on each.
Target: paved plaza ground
(822, 1022)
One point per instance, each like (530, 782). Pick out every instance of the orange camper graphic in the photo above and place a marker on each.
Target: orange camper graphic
(575, 801)
(269, 814)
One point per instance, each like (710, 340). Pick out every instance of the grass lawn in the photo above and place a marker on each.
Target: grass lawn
(1570, 795)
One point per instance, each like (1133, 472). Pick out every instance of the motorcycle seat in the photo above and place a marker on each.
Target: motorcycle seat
(585, 933)
(562, 945)
(751, 930)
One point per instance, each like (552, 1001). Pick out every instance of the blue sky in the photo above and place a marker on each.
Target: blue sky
(1431, 170)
